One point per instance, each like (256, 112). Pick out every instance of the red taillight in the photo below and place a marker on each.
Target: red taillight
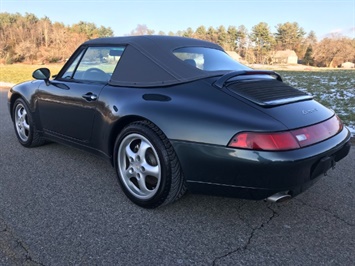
(264, 141)
(319, 132)
(290, 140)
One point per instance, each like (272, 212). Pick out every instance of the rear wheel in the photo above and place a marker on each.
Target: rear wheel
(24, 125)
(147, 166)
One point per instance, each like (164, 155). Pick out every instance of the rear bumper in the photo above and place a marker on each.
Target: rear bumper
(217, 170)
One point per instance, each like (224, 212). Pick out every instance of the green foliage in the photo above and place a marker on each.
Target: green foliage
(289, 35)
(200, 32)
(262, 40)
(90, 30)
(261, 45)
(211, 35)
(222, 35)
(189, 32)
(242, 41)
(308, 59)
(232, 35)
(311, 38)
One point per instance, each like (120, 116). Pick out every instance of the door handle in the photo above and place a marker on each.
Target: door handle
(90, 96)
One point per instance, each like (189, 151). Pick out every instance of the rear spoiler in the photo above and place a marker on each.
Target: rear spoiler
(222, 80)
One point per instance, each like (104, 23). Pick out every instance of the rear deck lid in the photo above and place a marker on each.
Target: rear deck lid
(266, 91)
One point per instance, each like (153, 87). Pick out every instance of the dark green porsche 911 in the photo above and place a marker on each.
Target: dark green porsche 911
(174, 113)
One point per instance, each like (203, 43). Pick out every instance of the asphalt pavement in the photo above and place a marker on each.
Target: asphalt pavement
(62, 206)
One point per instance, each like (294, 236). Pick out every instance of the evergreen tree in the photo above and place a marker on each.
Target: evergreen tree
(242, 41)
(211, 35)
(232, 33)
(188, 33)
(262, 40)
(200, 33)
(308, 57)
(222, 36)
(289, 36)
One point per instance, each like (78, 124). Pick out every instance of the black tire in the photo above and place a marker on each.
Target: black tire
(24, 125)
(147, 166)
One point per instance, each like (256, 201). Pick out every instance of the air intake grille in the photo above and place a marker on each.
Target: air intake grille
(268, 92)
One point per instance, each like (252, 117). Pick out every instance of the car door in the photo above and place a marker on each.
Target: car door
(68, 104)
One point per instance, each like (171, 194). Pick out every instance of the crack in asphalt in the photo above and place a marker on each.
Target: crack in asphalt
(251, 235)
(4, 230)
(327, 211)
(28, 257)
(7, 236)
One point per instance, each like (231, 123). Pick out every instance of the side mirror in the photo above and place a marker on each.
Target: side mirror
(42, 74)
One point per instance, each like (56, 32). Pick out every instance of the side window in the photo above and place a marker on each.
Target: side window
(69, 73)
(208, 59)
(193, 59)
(97, 64)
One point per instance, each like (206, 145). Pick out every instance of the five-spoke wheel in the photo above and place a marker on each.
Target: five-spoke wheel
(21, 122)
(147, 166)
(24, 124)
(140, 166)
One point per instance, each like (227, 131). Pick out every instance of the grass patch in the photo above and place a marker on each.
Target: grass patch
(333, 88)
(19, 72)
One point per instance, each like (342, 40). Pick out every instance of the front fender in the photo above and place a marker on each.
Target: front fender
(26, 91)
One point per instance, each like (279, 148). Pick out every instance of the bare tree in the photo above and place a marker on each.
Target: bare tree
(334, 50)
(142, 29)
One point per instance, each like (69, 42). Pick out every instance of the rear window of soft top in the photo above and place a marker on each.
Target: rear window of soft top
(208, 59)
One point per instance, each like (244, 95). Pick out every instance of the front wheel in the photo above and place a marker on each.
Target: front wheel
(24, 125)
(147, 166)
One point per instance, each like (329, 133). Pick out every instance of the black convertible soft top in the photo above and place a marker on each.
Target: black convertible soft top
(149, 61)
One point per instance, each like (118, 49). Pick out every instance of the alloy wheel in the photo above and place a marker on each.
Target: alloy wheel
(21, 122)
(139, 166)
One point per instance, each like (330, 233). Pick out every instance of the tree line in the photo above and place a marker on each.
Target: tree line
(26, 38)
(259, 45)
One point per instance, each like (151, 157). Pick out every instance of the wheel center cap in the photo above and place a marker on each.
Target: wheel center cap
(136, 165)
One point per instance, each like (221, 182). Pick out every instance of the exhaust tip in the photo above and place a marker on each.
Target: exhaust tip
(279, 197)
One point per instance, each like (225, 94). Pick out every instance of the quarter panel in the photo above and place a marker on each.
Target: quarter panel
(195, 112)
